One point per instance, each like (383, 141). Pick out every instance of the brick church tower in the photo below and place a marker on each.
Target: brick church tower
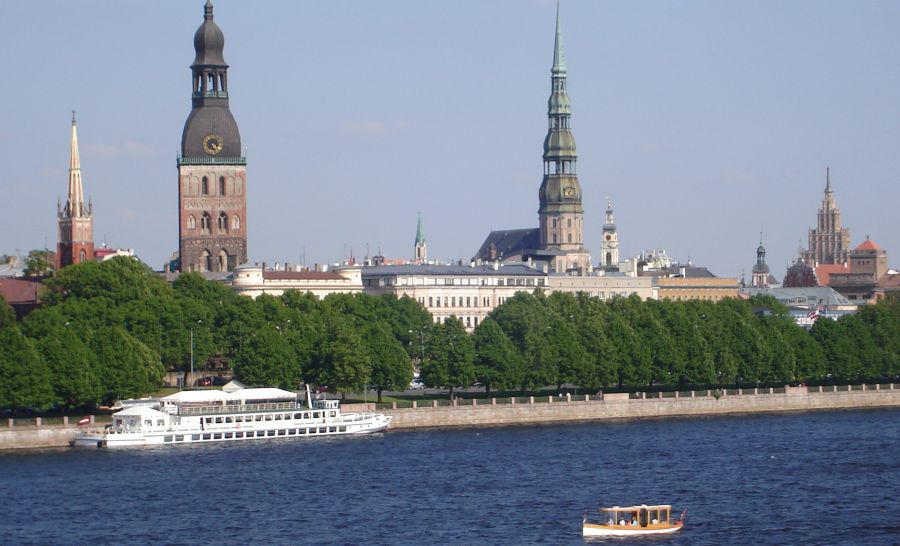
(212, 172)
(76, 224)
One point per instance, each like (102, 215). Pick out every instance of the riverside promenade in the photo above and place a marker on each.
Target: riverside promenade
(35, 433)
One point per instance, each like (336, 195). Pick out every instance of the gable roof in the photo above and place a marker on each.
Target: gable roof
(824, 272)
(17, 291)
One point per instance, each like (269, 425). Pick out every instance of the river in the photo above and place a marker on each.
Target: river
(797, 478)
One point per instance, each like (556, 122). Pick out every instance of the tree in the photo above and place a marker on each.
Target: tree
(497, 364)
(71, 367)
(341, 361)
(449, 356)
(24, 377)
(391, 367)
(125, 367)
(40, 263)
(267, 361)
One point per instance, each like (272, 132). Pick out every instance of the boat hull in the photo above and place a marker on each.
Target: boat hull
(246, 432)
(600, 530)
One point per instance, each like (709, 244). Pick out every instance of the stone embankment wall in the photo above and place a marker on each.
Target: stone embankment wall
(585, 408)
(32, 433)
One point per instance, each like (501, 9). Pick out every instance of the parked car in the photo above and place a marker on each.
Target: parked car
(417, 384)
(204, 382)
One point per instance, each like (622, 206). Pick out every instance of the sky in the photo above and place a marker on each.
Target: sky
(705, 122)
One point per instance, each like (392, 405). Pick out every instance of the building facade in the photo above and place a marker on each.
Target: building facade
(212, 170)
(75, 220)
(255, 280)
(829, 241)
(696, 288)
(868, 264)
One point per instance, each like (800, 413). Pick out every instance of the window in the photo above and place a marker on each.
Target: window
(221, 185)
(569, 222)
(235, 222)
(570, 237)
(204, 223)
(204, 186)
(191, 222)
(430, 301)
(205, 263)
(223, 222)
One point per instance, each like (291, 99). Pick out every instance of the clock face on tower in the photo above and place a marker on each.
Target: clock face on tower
(212, 144)
(569, 192)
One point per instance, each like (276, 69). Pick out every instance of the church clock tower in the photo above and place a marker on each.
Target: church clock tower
(609, 247)
(212, 172)
(560, 213)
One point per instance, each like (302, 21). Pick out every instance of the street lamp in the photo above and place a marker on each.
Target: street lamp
(191, 376)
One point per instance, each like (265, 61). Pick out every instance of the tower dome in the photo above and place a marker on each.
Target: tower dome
(209, 41)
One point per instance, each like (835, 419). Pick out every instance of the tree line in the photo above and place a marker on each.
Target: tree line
(111, 330)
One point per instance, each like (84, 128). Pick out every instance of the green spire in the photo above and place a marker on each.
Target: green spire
(420, 236)
(559, 61)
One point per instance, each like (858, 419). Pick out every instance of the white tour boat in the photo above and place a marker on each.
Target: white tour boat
(625, 521)
(214, 416)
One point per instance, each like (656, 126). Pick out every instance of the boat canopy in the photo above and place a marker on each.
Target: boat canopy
(636, 508)
(263, 393)
(233, 385)
(198, 397)
(139, 411)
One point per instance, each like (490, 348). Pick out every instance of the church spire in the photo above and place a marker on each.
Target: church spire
(420, 248)
(559, 61)
(75, 195)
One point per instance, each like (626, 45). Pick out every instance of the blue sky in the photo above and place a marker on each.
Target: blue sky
(703, 121)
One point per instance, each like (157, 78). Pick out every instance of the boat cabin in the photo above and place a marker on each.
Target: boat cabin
(139, 419)
(638, 516)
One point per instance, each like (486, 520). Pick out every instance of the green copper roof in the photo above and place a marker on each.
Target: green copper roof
(559, 61)
(420, 236)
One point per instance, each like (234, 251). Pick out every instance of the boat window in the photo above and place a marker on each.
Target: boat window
(258, 418)
(298, 416)
(342, 429)
(306, 415)
(260, 433)
(271, 433)
(207, 436)
(332, 414)
(195, 437)
(315, 415)
(167, 439)
(217, 436)
(239, 419)
(179, 438)
(322, 430)
(209, 419)
(160, 422)
(268, 417)
(218, 419)
(229, 420)
(278, 417)
(301, 431)
(227, 435)
(292, 431)
(282, 432)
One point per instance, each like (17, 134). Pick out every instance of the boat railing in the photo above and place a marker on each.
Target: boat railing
(237, 408)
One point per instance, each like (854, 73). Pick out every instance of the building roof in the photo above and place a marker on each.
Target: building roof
(824, 271)
(891, 281)
(509, 242)
(800, 275)
(868, 244)
(506, 269)
(302, 276)
(17, 291)
(811, 296)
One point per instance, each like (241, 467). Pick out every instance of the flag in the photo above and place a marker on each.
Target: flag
(813, 314)
(84, 421)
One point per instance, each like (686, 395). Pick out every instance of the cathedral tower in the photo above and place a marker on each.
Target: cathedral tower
(609, 247)
(829, 243)
(560, 213)
(212, 172)
(761, 269)
(421, 249)
(76, 224)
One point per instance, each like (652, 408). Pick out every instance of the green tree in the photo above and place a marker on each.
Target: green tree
(24, 377)
(125, 367)
(449, 356)
(391, 367)
(267, 361)
(40, 263)
(497, 364)
(71, 366)
(342, 360)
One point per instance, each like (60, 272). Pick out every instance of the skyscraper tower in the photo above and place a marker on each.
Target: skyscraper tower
(421, 249)
(212, 172)
(609, 247)
(560, 213)
(829, 243)
(76, 223)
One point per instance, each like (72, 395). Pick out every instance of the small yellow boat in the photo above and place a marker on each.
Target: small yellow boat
(624, 521)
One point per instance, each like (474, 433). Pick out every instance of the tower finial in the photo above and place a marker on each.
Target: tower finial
(73, 116)
(827, 179)
(208, 10)
(559, 61)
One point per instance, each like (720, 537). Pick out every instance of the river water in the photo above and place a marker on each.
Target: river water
(799, 478)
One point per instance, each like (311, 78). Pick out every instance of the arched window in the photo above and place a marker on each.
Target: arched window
(204, 186)
(570, 237)
(222, 261)
(82, 256)
(223, 222)
(221, 185)
(554, 222)
(204, 223)
(554, 238)
(235, 222)
(569, 222)
(191, 222)
(204, 264)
